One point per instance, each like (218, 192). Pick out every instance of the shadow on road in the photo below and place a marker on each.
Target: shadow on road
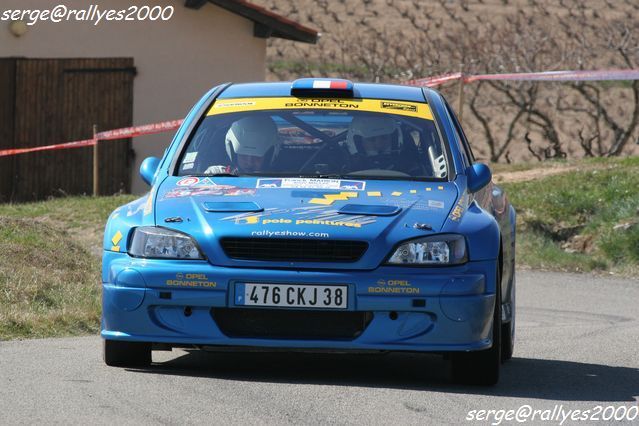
(521, 377)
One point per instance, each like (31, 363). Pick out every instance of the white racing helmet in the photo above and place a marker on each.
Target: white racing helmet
(253, 135)
(366, 127)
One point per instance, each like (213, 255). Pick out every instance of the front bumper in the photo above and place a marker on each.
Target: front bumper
(412, 309)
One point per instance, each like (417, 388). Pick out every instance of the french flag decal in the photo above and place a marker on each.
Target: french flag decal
(328, 84)
(304, 84)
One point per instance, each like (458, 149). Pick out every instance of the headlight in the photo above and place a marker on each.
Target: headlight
(435, 250)
(154, 242)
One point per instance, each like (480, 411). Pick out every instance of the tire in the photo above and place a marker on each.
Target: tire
(507, 341)
(508, 329)
(126, 354)
(482, 367)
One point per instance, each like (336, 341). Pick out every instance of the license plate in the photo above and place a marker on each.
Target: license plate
(292, 295)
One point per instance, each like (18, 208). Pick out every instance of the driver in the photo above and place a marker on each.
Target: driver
(373, 142)
(251, 143)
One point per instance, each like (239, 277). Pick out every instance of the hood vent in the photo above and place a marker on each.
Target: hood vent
(370, 210)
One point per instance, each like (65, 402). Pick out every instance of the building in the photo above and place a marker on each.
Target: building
(58, 79)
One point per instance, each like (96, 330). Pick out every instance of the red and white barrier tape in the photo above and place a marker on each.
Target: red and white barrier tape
(132, 132)
(631, 74)
(123, 133)
(435, 81)
(67, 145)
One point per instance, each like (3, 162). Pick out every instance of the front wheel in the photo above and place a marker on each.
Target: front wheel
(126, 354)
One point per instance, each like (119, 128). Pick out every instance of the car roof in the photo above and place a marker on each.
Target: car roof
(360, 90)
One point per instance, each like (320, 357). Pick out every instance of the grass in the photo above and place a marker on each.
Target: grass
(49, 271)
(71, 212)
(582, 220)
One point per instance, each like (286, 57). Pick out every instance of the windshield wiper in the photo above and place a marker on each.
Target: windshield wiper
(220, 174)
(223, 174)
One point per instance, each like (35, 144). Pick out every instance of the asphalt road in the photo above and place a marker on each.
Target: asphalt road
(577, 347)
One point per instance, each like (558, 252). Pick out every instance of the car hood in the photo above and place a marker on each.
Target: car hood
(381, 213)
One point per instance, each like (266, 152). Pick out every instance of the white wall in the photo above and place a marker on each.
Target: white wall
(177, 60)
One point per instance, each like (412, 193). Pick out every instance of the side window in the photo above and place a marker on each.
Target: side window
(468, 152)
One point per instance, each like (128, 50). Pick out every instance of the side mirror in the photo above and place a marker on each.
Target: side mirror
(479, 175)
(148, 168)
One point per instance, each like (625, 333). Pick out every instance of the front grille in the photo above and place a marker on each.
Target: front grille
(291, 323)
(298, 250)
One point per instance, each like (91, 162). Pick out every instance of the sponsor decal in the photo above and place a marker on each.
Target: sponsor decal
(393, 287)
(206, 182)
(217, 190)
(398, 106)
(269, 183)
(191, 280)
(310, 183)
(327, 223)
(190, 157)
(393, 290)
(193, 186)
(322, 103)
(315, 215)
(117, 237)
(287, 233)
(233, 104)
(329, 199)
(188, 181)
(459, 209)
(406, 108)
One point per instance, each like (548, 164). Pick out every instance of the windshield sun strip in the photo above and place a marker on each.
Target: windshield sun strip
(405, 108)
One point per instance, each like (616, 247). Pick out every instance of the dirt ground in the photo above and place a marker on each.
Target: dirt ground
(532, 174)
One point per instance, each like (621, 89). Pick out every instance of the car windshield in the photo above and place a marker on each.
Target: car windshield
(309, 142)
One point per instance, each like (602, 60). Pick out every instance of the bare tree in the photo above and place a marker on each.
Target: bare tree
(397, 40)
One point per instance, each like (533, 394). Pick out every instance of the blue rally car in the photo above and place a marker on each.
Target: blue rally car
(315, 215)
